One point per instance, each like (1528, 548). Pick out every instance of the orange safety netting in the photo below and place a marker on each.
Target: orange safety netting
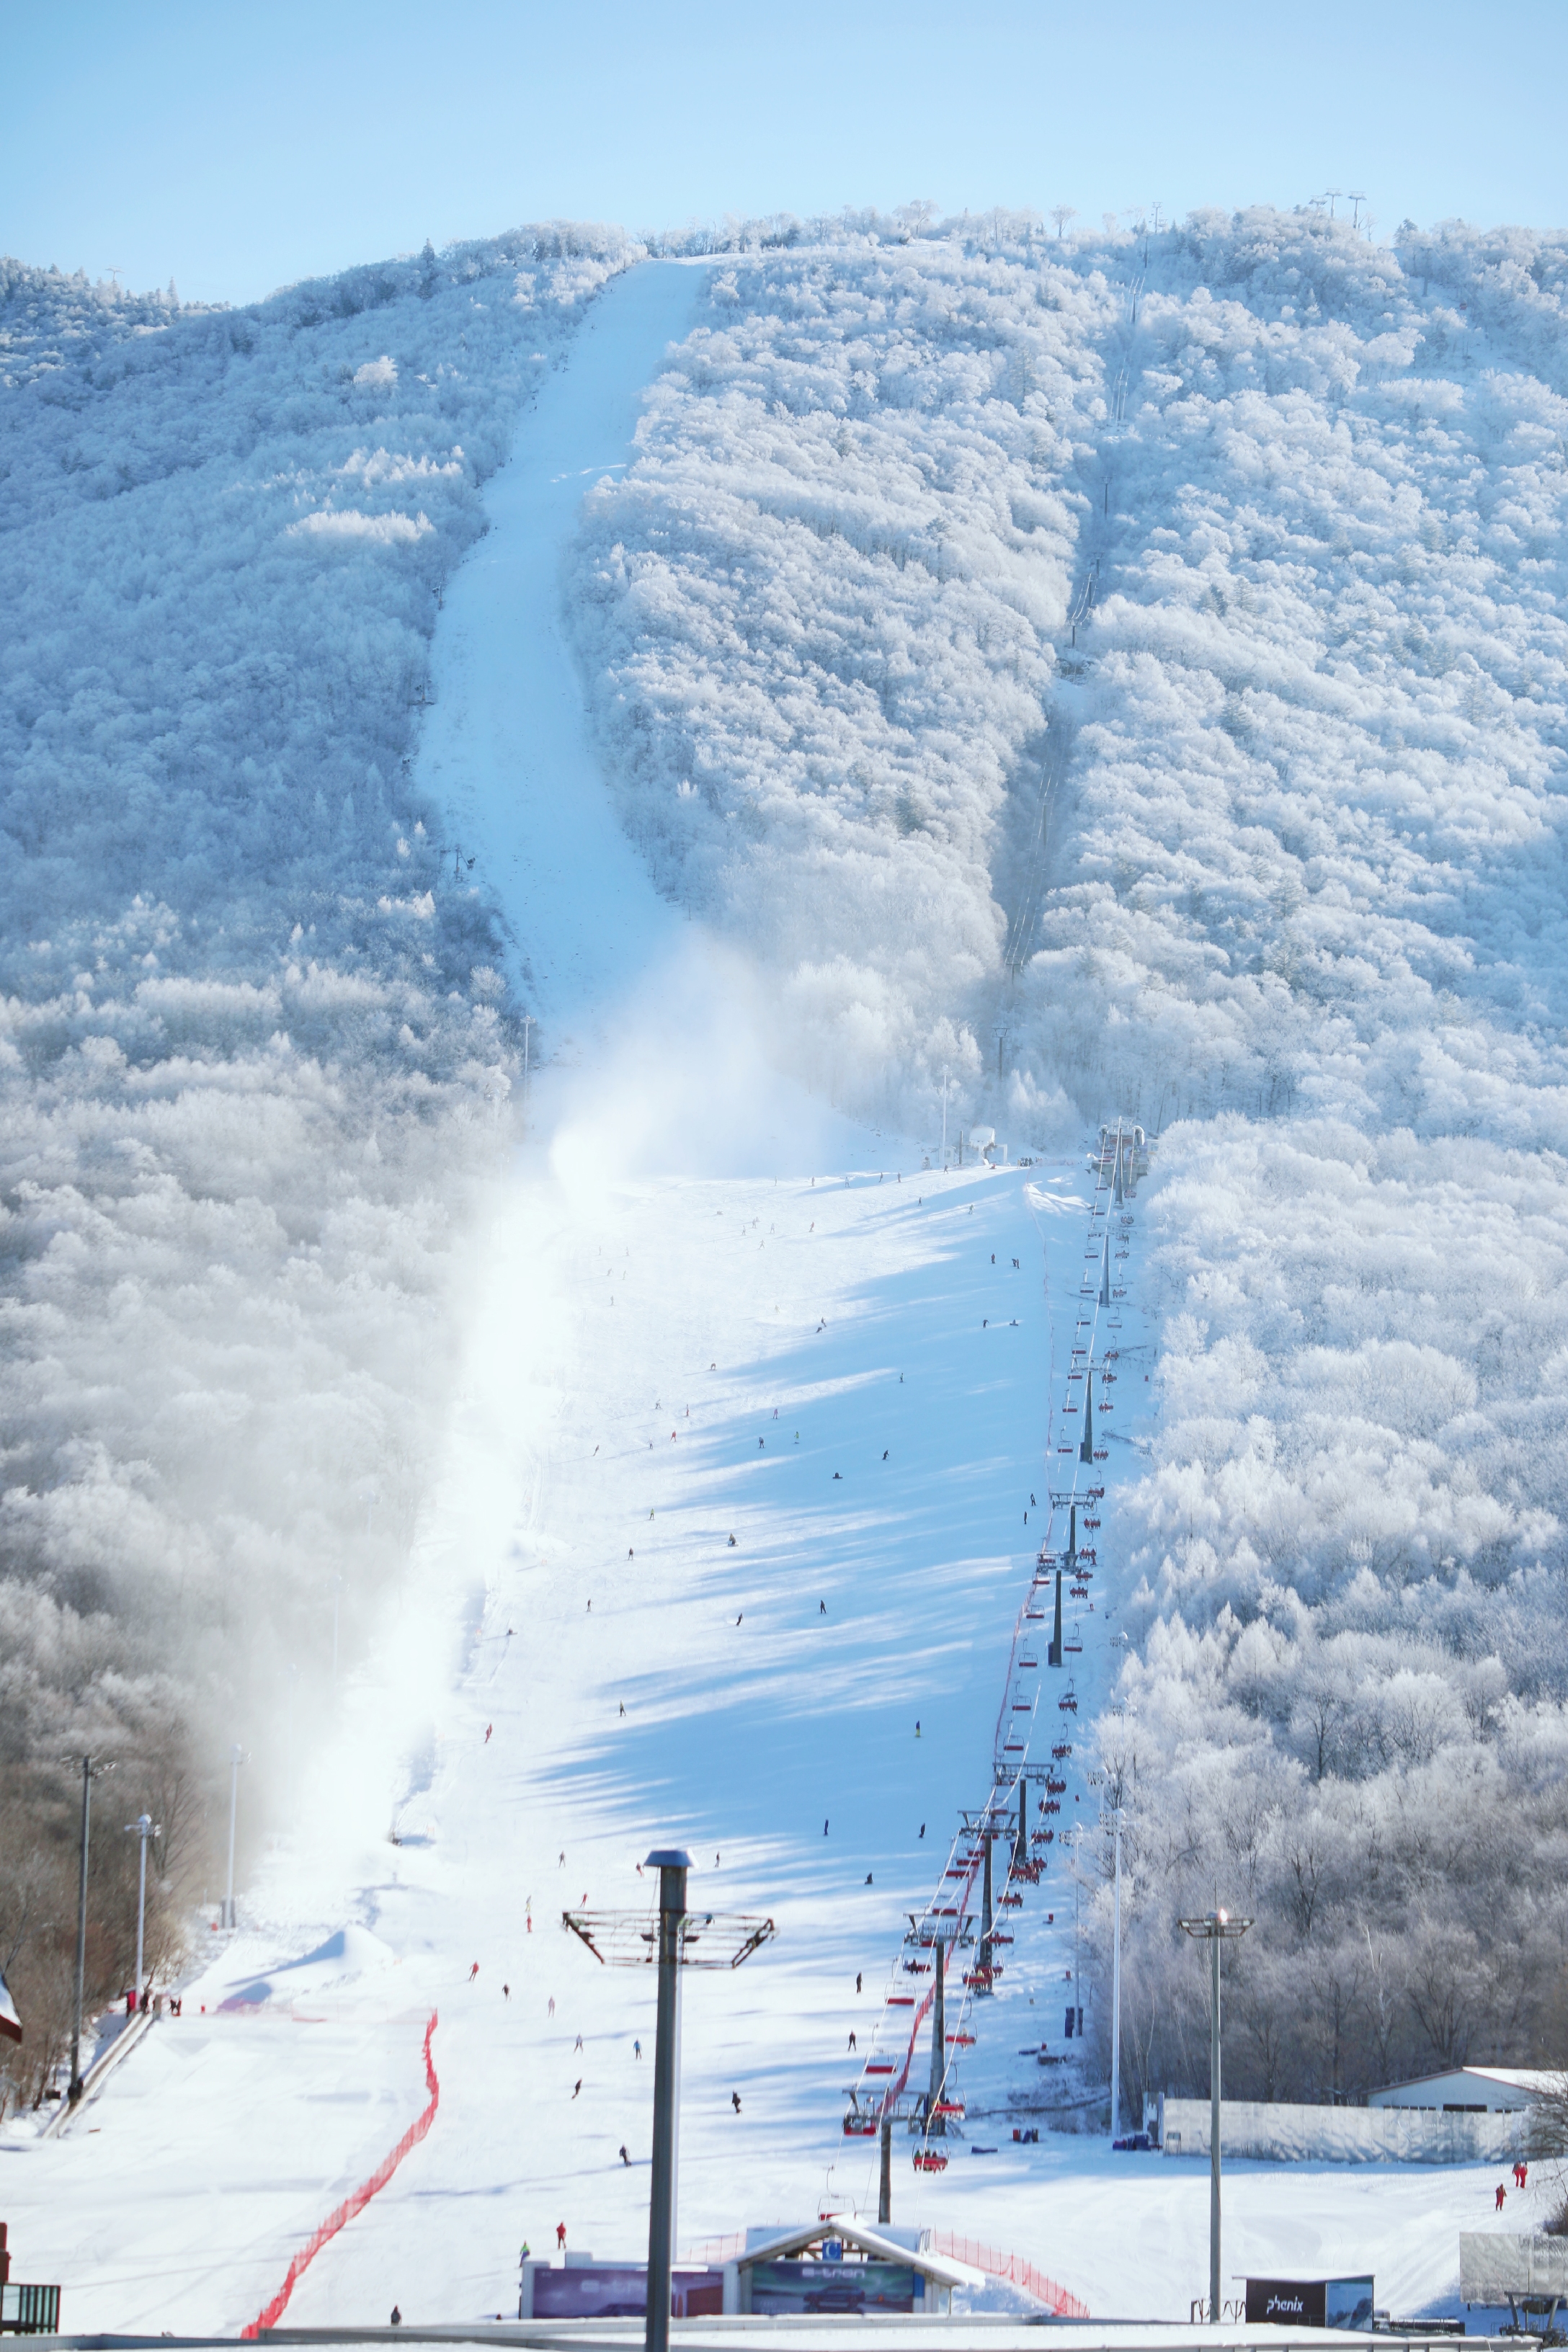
(1013, 2268)
(356, 2203)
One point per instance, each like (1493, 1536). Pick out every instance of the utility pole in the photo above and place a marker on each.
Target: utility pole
(236, 1758)
(1116, 1994)
(142, 1829)
(1214, 1928)
(885, 2181)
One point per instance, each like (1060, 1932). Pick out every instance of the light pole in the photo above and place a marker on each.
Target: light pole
(1116, 1994)
(1215, 1927)
(236, 1758)
(89, 1773)
(672, 1862)
(678, 1939)
(142, 1829)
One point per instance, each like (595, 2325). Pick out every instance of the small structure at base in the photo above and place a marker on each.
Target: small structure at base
(822, 2268)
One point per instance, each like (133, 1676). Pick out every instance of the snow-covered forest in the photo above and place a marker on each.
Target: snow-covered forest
(254, 1055)
(1125, 672)
(1131, 671)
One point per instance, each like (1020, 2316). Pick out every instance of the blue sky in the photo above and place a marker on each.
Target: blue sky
(235, 149)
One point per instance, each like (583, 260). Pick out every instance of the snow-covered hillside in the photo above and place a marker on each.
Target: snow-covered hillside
(1132, 670)
(255, 1045)
(1118, 677)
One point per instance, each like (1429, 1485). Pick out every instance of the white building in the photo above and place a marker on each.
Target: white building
(1472, 2090)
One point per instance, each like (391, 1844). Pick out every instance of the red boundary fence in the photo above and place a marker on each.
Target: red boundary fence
(356, 2203)
(1013, 2269)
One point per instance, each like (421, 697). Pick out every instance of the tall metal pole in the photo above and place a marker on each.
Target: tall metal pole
(984, 1984)
(1215, 1927)
(236, 1758)
(1214, 2136)
(1116, 1995)
(885, 2183)
(672, 1865)
(81, 1936)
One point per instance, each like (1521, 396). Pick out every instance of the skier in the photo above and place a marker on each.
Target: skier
(396, 2316)
(1502, 2196)
(735, 2101)
(636, 2049)
(473, 1972)
(824, 1829)
(552, 2004)
(489, 1728)
(857, 1980)
(505, 1992)
(852, 2042)
(576, 2086)
(822, 1605)
(561, 2237)
(922, 1828)
(867, 1878)
(624, 2157)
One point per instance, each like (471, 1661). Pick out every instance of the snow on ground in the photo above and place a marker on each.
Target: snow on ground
(703, 1307)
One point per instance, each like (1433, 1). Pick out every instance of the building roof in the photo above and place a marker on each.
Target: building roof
(1538, 2081)
(935, 2267)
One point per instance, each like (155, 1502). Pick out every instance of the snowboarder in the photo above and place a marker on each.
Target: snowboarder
(731, 1543)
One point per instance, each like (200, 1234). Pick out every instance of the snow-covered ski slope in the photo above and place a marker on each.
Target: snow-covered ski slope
(505, 748)
(868, 1316)
(674, 1337)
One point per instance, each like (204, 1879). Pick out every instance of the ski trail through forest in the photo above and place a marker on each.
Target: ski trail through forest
(505, 746)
